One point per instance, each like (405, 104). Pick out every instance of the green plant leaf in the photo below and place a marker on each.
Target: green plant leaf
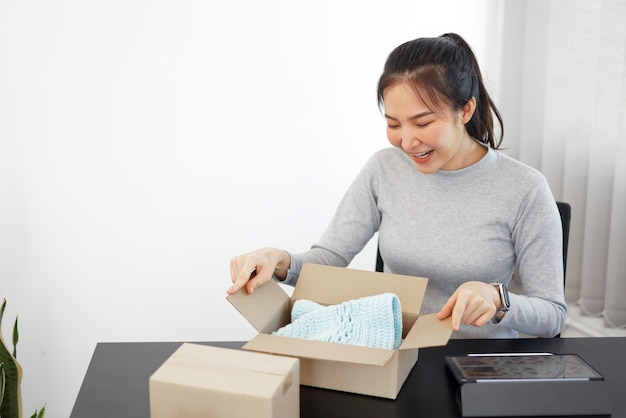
(16, 337)
(10, 376)
(3, 381)
(4, 305)
(38, 415)
(11, 403)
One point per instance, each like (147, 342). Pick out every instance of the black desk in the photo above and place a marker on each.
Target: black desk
(116, 382)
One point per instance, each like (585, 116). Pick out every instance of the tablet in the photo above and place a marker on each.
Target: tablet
(520, 366)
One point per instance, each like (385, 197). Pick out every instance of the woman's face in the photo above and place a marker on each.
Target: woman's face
(435, 140)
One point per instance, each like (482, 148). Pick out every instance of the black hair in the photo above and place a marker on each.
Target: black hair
(444, 71)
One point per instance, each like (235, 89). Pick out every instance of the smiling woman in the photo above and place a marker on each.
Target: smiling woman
(446, 204)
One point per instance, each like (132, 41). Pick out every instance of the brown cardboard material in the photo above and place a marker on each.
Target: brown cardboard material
(203, 381)
(349, 368)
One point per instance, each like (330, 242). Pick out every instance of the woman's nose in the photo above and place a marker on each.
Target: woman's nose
(409, 140)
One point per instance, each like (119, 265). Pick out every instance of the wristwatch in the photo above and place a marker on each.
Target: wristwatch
(504, 297)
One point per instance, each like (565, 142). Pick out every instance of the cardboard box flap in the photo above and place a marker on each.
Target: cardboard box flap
(218, 359)
(221, 369)
(267, 309)
(428, 331)
(330, 285)
(297, 347)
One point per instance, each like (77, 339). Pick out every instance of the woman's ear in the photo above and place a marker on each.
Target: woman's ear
(468, 110)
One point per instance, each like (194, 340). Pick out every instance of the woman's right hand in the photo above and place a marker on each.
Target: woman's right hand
(257, 267)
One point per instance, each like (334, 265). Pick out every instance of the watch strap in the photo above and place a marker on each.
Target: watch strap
(504, 297)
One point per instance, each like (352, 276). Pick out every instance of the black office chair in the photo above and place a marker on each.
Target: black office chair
(515, 286)
(565, 209)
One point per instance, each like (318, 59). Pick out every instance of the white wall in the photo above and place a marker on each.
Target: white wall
(144, 143)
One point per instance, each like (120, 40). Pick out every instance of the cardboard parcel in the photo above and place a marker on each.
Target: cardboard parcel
(203, 381)
(349, 368)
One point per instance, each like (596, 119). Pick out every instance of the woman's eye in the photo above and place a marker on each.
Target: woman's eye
(393, 126)
(423, 125)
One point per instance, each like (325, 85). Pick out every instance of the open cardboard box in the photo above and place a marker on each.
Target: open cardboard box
(349, 368)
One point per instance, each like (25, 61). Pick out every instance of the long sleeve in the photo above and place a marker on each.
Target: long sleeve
(477, 223)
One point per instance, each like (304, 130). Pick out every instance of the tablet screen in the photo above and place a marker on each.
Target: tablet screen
(544, 366)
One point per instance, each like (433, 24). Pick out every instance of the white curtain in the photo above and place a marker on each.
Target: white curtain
(560, 76)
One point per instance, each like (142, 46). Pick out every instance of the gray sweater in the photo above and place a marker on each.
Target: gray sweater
(476, 223)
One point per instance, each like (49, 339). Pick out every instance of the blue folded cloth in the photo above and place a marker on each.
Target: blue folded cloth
(372, 321)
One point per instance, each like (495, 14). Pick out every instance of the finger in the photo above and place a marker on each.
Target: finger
(471, 314)
(459, 311)
(237, 264)
(446, 309)
(240, 278)
(477, 312)
(482, 319)
(257, 278)
(234, 270)
(444, 312)
(238, 284)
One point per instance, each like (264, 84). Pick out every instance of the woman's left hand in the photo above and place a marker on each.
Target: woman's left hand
(473, 303)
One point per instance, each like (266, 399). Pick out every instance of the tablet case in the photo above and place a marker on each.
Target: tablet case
(526, 398)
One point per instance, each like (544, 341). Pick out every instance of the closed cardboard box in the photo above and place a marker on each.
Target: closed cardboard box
(204, 381)
(349, 368)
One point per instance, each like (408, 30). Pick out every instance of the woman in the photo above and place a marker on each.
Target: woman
(446, 203)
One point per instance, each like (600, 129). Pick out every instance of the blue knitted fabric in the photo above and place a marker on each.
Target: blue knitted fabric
(372, 321)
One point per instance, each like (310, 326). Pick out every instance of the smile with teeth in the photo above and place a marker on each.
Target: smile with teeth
(423, 154)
